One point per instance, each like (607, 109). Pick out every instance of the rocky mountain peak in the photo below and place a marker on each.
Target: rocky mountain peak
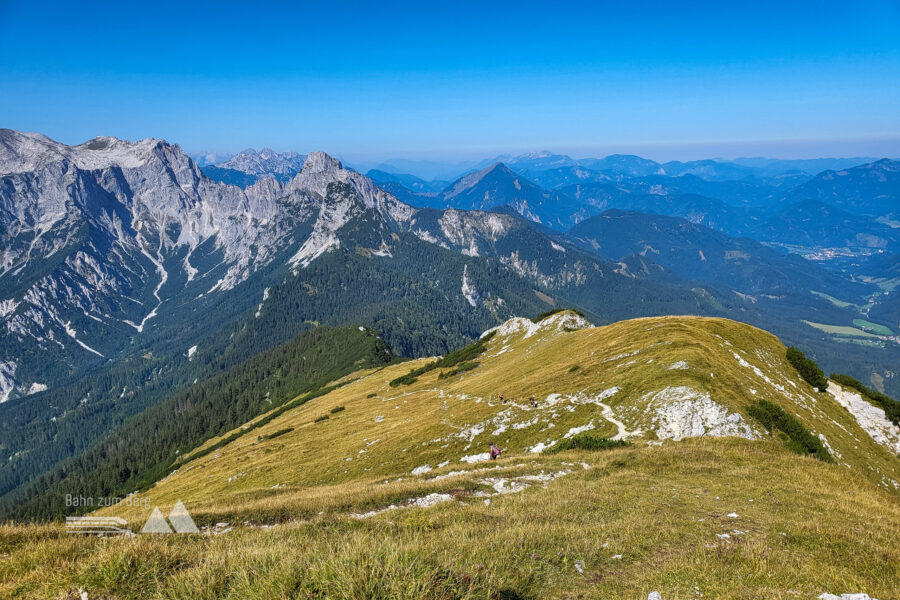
(265, 163)
(499, 167)
(320, 162)
(472, 179)
(24, 152)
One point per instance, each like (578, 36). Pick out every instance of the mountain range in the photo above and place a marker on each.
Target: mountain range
(249, 166)
(129, 276)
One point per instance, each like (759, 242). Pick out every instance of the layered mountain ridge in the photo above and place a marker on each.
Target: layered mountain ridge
(125, 280)
(127, 275)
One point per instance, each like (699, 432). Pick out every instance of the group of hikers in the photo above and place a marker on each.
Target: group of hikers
(495, 449)
(531, 400)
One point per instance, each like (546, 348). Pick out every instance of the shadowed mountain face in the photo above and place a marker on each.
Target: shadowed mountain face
(702, 254)
(562, 176)
(814, 223)
(411, 182)
(499, 186)
(702, 210)
(872, 189)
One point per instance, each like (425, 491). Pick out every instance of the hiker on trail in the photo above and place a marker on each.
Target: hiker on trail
(501, 399)
(495, 451)
(531, 400)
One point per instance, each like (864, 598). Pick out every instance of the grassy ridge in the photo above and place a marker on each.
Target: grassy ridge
(387, 433)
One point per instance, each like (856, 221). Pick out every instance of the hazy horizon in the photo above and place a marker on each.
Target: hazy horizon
(723, 151)
(449, 82)
(776, 150)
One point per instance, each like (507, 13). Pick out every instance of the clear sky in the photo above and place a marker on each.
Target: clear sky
(460, 79)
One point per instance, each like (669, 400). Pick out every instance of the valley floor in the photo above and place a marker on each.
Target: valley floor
(700, 518)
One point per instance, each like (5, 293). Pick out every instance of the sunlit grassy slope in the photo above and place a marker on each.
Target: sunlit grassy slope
(388, 498)
(628, 366)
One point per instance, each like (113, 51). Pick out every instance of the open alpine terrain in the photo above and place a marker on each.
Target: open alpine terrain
(132, 281)
(450, 301)
(679, 455)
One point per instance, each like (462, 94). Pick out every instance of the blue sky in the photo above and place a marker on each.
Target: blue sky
(459, 80)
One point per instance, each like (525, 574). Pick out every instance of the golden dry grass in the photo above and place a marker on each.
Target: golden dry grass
(808, 528)
(405, 427)
(805, 527)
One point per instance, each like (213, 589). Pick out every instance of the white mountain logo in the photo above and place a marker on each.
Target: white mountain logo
(179, 518)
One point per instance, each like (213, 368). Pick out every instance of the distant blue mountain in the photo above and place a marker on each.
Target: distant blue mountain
(411, 182)
(808, 165)
(872, 189)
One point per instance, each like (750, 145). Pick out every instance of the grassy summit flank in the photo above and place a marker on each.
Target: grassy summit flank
(392, 497)
(658, 378)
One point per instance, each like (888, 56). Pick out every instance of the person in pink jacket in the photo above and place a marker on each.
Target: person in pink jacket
(495, 451)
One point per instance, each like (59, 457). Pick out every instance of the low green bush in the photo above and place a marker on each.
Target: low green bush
(320, 419)
(337, 409)
(807, 368)
(463, 355)
(800, 439)
(468, 366)
(274, 434)
(586, 442)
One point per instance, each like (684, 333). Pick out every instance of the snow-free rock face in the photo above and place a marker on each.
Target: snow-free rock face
(468, 291)
(871, 418)
(554, 324)
(7, 379)
(97, 240)
(25, 152)
(266, 162)
(680, 412)
(319, 162)
(91, 234)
